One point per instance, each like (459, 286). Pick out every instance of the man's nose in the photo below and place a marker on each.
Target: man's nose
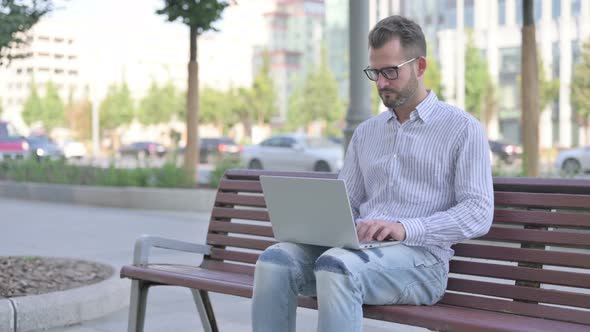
(381, 81)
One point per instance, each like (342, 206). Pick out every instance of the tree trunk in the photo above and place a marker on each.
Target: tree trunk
(530, 93)
(191, 154)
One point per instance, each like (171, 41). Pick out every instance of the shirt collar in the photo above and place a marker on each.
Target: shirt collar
(424, 110)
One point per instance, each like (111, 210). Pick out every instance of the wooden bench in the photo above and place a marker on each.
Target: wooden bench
(531, 272)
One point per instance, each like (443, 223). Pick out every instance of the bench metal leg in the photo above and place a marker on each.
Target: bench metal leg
(139, 292)
(205, 310)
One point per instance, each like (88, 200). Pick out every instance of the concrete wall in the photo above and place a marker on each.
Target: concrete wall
(122, 197)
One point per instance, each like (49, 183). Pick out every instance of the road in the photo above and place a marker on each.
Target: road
(107, 235)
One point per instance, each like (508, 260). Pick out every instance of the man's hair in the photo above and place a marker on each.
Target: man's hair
(409, 33)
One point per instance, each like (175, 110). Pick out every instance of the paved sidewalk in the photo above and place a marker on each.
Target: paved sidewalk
(107, 234)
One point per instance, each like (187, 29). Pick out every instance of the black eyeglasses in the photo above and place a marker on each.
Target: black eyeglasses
(390, 73)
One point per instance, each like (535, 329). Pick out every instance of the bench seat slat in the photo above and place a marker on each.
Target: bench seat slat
(542, 218)
(239, 242)
(561, 278)
(538, 236)
(228, 213)
(438, 317)
(541, 200)
(556, 258)
(237, 199)
(519, 292)
(519, 308)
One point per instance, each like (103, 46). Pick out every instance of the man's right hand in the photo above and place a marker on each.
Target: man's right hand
(380, 230)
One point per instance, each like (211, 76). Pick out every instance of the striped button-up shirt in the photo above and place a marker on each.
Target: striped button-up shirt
(432, 174)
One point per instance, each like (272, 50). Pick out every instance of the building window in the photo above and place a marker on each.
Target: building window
(502, 12)
(43, 38)
(538, 10)
(518, 11)
(556, 59)
(468, 15)
(72, 57)
(30, 70)
(19, 70)
(555, 9)
(43, 69)
(59, 56)
(73, 72)
(576, 7)
(58, 71)
(58, 40)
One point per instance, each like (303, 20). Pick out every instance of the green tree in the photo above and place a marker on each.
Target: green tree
(49, 110)
(199, 17)
(32, 107)
(432, 77)
(117, 108)
(375, 100)
(548, 88)
(262, 96)
(581, 90)
(16, 18)
(477, 79)
(216, 108)
(160, 104)
(53, 114)
(317, 99)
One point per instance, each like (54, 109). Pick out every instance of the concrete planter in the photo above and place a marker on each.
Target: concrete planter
(200, 200)
(62, 308)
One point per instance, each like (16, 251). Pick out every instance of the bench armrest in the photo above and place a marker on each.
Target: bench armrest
(144, 244)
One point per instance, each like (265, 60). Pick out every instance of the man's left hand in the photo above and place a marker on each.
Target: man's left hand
(380, 230)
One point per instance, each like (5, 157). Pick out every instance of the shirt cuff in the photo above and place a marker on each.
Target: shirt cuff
(415, 231)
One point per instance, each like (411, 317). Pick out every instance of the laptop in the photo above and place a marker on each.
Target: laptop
(312, 211)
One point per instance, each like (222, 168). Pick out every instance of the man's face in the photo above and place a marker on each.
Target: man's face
(394, 93)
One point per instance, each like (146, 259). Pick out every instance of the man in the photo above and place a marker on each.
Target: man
(418, 173)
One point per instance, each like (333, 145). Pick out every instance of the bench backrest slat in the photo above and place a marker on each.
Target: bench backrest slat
(542, 200)
(545, 218)
(521, 308)
(537, 251)
(518, 292)
(538, 236)
(568, 259)
(511, 272)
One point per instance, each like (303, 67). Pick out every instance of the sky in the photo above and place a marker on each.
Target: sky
(128, 39)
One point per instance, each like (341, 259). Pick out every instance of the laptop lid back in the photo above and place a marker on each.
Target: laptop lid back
(310, 211)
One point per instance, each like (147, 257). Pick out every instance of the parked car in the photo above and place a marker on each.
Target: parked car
(507, 153)
(141, 150)
(295, 152)
(574, 161)
(12, 145)
(43, 147)
(216, 148)
(73, 149)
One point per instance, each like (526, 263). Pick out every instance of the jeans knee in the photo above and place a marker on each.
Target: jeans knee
(332, 264)
(276, 255)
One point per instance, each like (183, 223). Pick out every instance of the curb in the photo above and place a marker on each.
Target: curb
(196, 200)
(66, 307)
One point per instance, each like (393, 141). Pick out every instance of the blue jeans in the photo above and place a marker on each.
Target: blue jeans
(342, 280)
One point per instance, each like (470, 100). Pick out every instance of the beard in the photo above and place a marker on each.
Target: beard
(395, 98)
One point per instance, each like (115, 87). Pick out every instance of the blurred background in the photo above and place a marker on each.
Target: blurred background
(102, 85)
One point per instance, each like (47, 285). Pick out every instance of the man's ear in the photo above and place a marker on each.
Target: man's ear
(422, 64)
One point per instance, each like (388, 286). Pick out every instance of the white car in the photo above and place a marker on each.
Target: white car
(574, 161)
(73, 149)
(294, 152)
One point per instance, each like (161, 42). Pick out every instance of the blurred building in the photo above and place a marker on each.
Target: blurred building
(562, 27)
(294, 40)
(52, 55)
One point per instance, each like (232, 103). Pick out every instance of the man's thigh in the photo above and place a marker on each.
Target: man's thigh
(396, 274)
